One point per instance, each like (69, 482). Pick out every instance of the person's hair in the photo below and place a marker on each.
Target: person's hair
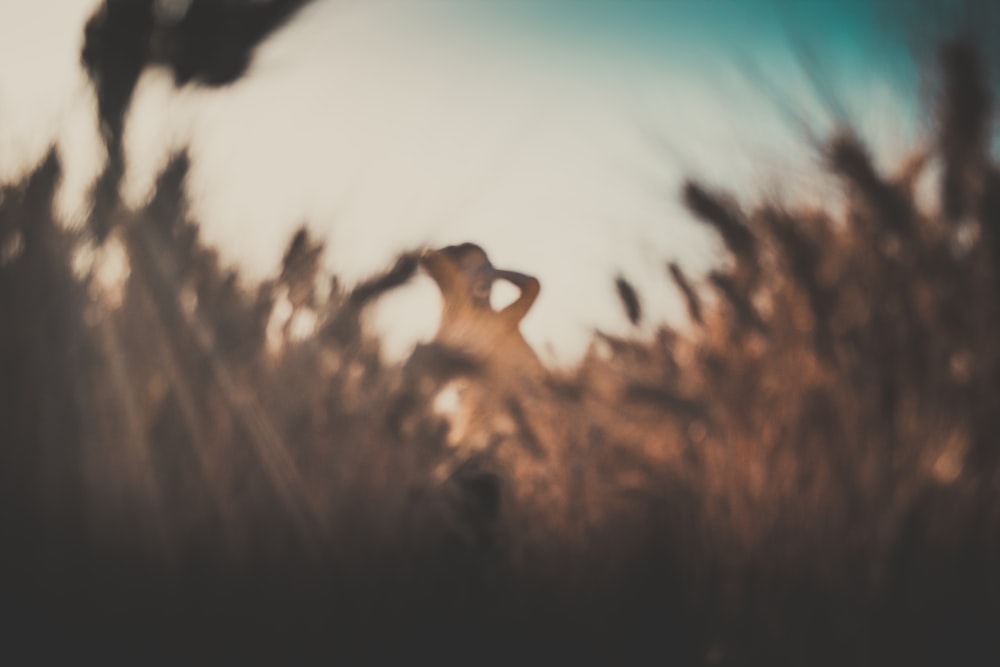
(458, 253)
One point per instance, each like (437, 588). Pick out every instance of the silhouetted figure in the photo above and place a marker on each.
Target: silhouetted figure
(469, 322)
(480, 412)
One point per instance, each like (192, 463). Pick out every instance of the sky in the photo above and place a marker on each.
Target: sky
(554, 133)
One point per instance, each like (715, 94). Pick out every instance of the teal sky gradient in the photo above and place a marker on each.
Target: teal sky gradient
(848, 39)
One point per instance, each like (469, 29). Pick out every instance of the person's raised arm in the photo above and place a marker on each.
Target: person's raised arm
(529, 287)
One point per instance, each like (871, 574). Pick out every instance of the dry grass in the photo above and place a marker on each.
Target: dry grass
(810, 476)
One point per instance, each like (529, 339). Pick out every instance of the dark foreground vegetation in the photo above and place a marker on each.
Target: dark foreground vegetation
(809, 475)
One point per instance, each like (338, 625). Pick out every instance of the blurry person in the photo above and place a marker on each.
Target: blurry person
(478, 408)
(465, 276)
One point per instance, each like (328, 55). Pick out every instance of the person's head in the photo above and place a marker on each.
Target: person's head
(461, 270)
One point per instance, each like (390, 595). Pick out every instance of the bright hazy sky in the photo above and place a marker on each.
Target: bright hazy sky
(553, 133)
